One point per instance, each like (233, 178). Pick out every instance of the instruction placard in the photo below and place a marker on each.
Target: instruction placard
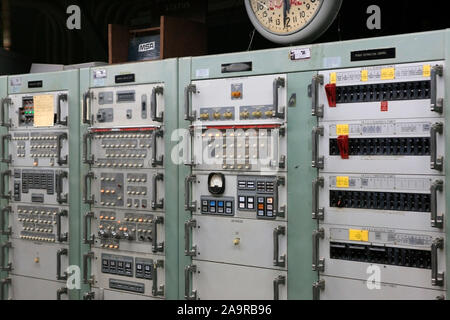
(44, 110)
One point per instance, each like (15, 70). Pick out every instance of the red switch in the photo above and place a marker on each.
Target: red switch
(343, 147)
(331, 94)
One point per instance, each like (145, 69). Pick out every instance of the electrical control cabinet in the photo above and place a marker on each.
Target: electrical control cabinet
(127, 246)
(236, 182)
(41, 120)
(380, 195)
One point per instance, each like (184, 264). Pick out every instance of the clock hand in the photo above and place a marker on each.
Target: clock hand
(285, 11)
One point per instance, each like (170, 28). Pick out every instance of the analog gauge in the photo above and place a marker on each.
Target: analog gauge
(292, 21)
(216, 183)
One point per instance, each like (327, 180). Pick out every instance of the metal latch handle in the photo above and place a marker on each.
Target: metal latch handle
(87, 158)
(61, 97)
(3, 175)
(318, 286)
(155, 291)
(188, 251)
(188, 204)
(318, 213)
(280, 280)
(317, 110)
(3, 123)
(317, 161)
(4, 283)
(189, 115)
(437, 278)
(5, 159)
(318, 263)
(88, 178)
(277, 84)
(188, 293)
(4, 246)
(436, 221)
(61, 161)
(437, 105)
(157, 204)
(157, 247)
(437, 163)
(278, 261)
(59, 254)
(59, 190)
(154, 104)
(60, 292)
(86, 257)
(86, 113)
(91, 239)
(61, 237)
(3, 232)
(155, 160)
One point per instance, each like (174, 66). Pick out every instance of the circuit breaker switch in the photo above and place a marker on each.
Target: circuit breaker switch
(217, 115)
(257, 114)
(204, 116)
(228, 115)
(237, 241)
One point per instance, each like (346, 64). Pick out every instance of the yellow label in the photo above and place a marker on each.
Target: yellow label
(333, 78)
(44, 111)
(342, 182)
(342, 129)
(427, 71)
(388, 74)
(365, 75)
(358, 235)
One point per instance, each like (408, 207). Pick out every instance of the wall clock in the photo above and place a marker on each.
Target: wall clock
(292, 21)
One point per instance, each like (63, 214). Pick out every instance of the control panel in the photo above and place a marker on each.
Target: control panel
(124, 148)
(36, 184)
(379, 197)
(237, 190)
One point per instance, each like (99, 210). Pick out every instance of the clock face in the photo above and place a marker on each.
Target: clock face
(284, 17)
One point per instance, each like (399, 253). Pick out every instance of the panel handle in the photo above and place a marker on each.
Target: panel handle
(157, 247)
(87, 179)
(59, 190)
(318, 213)
(87, 158)
(59, 254)
(154, 104)
(60, 292)
(437, 278)
(61, 237)
(437, 163)
(3, 175)
(317, 109)
(87, 279)
(277, 84)
(3, 232)
(61, 161)
(280, 280)
(188, 251)
(188, 293)
(278, 261)
(188, 204)
(281, 181)
(4, 283)
(5, 103)
(318, 263)
(6, 158)
(155, 160)
(437, 105)
(318, 286)
(91, 239)
(157, 204)
(436, 220)
(86, 113)
(8, 267)
(155, 290)
(189, 115)
(61, 97)
(317, 161)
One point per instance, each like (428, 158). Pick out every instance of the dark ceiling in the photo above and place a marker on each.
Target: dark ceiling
(39, 26)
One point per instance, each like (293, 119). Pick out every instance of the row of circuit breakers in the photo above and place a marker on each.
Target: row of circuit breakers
(89, 180)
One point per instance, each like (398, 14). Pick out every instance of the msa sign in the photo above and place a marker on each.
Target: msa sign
(148, 46)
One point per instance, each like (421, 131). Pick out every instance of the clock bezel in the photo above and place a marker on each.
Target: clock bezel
(318, 24)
